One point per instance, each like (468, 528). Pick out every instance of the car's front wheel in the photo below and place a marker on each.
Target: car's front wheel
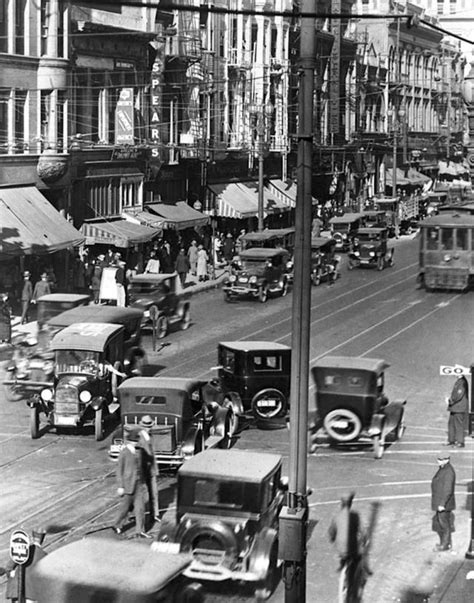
(34, 422)
(380, 263)
(263, 293)
(161, 326)
(99, 425)
(186, 319)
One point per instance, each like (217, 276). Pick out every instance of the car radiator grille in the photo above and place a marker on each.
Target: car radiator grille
(164, 438)
(66, 400)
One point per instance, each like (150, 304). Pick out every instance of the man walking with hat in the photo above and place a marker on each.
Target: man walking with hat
(131, 480)
(443, 502)
(26, 296)
(458, 408)
(152, 472)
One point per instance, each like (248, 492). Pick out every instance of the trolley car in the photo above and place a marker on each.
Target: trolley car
(446, 251)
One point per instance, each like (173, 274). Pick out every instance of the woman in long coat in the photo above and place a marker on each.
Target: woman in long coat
(202, 259)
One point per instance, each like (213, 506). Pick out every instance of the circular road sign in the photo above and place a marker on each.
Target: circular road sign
(19, 547)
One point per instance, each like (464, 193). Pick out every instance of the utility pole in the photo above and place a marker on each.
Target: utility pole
(294, 516)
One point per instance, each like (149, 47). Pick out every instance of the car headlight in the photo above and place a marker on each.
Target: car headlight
(344, 235)
(85, 396)
(46, 395)
(232, 278)
(253, 279)
(372, 254)
(356, 252)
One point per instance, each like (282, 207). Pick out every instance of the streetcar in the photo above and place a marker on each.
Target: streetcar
(446, 251)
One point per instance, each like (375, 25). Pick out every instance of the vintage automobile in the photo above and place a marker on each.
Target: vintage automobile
(31, 368)
(162, 299)
(278, 238)
(5, 327)
(184, 424)
(324, 262)
(263, 271)
(369, 248)
(253, 376)
(374, 218)
(100, 570)
(90, 362)
(351, 404)
(227, 517)
(48, 306)
(343, 228)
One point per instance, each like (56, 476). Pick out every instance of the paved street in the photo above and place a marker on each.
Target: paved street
(67, 482)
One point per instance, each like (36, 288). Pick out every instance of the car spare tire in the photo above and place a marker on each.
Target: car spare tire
(215, 542)
(342, 425)
(269, 403)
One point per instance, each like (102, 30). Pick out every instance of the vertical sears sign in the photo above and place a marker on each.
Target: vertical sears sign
(335, 72)
(124, 117)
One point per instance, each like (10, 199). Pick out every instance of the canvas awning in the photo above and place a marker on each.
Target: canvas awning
(233, 202)
(178, 215)
(272, 204)
(29, 224)
(145, 218)
(286, 190)
(120, 233)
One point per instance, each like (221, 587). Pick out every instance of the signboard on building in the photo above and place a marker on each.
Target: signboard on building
(335, 72)
(19, 547)
(124, 118)
(156, 101)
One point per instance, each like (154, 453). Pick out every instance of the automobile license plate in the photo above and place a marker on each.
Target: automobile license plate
(65, 421)
(166, 547)
(267, 403)
(340, 424)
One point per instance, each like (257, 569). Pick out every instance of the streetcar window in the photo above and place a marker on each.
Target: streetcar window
(432, 238)
(447, 240)
(461, 239)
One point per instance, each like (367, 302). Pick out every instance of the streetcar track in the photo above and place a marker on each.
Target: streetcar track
(27, 454)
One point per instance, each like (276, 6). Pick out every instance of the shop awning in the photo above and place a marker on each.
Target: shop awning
(177, 215)
(120, 233)
(417, 177)
(286, 190)
(233, 202)
(272, 204)
(145, 218)
(29, 224)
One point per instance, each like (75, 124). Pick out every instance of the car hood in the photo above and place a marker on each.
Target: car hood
(248, 273)
(78, 381)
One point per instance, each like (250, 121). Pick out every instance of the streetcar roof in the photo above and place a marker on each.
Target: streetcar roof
(449, 220)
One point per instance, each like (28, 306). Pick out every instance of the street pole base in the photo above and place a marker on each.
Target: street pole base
(470, 551)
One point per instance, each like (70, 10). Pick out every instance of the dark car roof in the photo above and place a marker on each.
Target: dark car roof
(152, 278)
(265, 235)
(88, 336)
(105, 565)
(345, 218)
(321, 241)
(252, 346)
(373, 365)
(95, 313)
(261, 253)
(238, 465)
(453, 219)
(371, 230)
(64, 297)
(153, 384)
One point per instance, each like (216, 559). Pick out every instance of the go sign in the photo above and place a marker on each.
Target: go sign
(454, 371)
(19, 547)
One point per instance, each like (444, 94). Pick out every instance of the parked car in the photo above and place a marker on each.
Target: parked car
(90, 361)
(100, 570)
(227, 511)
(370, 248)
(278, 238)
(351, 404)
(184, 423)
(31, 367)
(255, 377)
(343, 229)
(263, 271)
(324, 262)
(162, 300)
(48, 306)
(374, 218)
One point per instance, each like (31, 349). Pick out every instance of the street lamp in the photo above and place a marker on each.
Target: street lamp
(261, 113)
(397, 121)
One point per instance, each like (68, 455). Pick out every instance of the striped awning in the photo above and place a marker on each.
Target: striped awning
(178, 215)
(272, 204)
(231, 201)
(286, 190)
(119, 233)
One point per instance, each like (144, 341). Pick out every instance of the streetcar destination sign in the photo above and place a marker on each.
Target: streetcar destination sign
(19, 547)
(454, 371)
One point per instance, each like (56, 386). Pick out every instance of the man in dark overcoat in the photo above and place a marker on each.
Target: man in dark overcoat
(458, 408)
(443, 502)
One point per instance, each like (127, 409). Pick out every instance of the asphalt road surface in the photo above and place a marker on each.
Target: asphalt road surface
(66, 482)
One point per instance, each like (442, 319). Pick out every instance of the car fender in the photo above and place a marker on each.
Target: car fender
(189, 441)
(216, 530)
(376, 424)
(183, 306)
(259, 561)
(220, 419)
(235, 401)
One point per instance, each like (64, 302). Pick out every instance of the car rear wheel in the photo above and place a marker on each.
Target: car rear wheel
(284, 290)
(161, 327)
(342, 425)
(380, 263)
(34, 422)
(12, 394)
(316, 278)
(263, 294)
(269, 404)
(99, 425)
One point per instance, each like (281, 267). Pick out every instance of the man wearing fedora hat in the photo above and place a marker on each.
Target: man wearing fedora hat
(443, 502)
(131, 480)
(26, 296)
(152, 472)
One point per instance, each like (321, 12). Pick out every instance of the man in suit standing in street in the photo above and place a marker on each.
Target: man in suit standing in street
(458, 408)
(443, 502)
(131, 480)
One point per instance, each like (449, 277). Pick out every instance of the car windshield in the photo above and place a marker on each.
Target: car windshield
(340, 226)
(76, 361)
(368, 238)
(250, 264)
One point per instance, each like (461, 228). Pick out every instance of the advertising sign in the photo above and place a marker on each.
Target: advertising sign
(124, 118)
(19, 547)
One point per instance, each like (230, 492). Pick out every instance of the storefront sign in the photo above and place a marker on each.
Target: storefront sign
(126, 153)
(124, 118)
(155, 101)
(19, 547)
(335, 72)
